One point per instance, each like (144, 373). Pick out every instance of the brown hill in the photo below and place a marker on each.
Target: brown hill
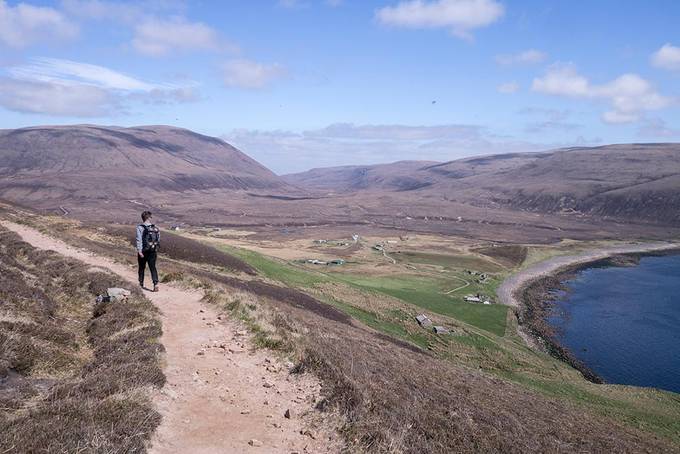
(111, 173)
(110, 163)
(398, 176)
(629, 182)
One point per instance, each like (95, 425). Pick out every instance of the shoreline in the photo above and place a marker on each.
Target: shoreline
(531, 293)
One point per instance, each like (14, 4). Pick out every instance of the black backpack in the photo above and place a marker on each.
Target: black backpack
(151, 240)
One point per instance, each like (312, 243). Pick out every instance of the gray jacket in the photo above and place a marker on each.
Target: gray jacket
(140, 236)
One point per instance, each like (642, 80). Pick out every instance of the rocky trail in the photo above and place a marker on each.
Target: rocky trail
(221, 396)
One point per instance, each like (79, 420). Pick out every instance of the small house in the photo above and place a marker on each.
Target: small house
(316, 262)
(423, 320)
(440, 330)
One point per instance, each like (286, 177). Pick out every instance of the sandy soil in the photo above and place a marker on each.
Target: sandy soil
(221, 395)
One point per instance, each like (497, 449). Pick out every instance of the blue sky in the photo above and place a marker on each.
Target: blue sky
(311, 83)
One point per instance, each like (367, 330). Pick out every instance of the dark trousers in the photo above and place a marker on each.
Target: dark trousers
(150, 258)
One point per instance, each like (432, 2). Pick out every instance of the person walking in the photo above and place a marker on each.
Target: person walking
(148, 240)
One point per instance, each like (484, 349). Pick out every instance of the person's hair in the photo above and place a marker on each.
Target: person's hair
(146, 215)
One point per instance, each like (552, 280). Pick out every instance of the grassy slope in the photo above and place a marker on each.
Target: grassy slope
(423, 291)
(428, 293)
(482, 344)
(507, 357)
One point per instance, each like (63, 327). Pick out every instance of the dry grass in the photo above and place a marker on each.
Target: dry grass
(398, 399)
(73, 374)
(395, 398)
(510, 255)
(180, 248)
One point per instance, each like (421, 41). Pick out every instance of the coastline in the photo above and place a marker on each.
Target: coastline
(531, 293)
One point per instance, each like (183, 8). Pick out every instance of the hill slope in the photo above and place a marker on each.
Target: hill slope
(628, 182)
(398, 176)
(95, 162)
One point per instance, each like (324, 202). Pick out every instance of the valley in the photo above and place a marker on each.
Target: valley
(381, 284)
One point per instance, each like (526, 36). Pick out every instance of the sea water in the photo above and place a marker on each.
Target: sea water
(624, 322)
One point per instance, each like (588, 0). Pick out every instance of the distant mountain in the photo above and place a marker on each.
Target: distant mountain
(86, 162)
(398, 176)
(634, 182)
(96, 172)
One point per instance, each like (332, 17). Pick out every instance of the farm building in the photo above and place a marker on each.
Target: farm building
(423, 320)
(317, 262)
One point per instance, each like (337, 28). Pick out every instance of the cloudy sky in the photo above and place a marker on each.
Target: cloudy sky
(308, 83)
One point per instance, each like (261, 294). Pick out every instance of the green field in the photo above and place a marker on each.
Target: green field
(447, 261)
(428, 293)
(419, 290)
(485, 343)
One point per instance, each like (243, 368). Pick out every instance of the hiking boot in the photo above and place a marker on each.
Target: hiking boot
(155, 287)
(141, 284)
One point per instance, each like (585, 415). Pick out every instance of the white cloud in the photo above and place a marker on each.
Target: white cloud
(24, 24)
(530, 56)
(667, 57)
(508, 88)
(250, 74)
(159, 26)
(629, 95)
(459, 16)
(68, 88)
(291, 3)
(71, 72)
(104, 10)
(657, 128)
(394, 132)
(156, 37)
(562, 80)
(56, 98)
(548, 120)
(349, 144)
(127, 12)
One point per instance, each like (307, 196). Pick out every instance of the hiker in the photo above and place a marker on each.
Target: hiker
(148, 240)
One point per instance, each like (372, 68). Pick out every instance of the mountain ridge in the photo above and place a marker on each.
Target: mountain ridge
(107, 170)
(99, 161)
(621, 180)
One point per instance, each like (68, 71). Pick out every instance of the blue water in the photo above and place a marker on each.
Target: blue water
(624, 323)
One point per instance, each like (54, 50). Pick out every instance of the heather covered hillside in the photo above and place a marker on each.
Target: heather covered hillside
(627, 182)
(89, 162)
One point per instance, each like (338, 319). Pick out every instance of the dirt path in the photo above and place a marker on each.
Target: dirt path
(220, 396)
(466, 284)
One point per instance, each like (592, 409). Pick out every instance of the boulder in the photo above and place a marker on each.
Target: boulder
(118, 294)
